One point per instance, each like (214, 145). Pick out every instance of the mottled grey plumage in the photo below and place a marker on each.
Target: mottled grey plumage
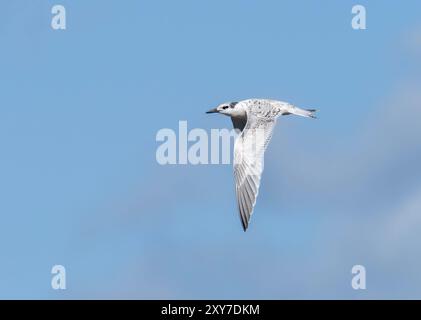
(255, 119)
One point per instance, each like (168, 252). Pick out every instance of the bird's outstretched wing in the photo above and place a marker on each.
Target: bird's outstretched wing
(249, 152)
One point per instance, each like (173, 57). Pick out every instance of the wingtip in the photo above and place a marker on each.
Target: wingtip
(245, 226)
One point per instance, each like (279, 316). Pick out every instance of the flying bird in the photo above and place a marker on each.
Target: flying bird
(254, 120)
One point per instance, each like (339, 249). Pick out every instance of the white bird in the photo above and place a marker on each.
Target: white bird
(255, 119)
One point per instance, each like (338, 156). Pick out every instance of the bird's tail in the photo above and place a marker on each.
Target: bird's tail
(309, 113)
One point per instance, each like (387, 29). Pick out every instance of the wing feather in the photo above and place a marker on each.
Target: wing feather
(249, 151)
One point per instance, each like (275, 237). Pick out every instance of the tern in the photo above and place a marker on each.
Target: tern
(254, 120)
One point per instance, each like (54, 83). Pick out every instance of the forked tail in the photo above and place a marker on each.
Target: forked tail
(309, 113)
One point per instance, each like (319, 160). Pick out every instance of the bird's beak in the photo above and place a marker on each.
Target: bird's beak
(214, 110)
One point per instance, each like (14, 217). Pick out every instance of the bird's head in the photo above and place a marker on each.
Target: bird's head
(231, 109)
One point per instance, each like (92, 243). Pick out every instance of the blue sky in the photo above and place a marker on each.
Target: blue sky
(80, 186)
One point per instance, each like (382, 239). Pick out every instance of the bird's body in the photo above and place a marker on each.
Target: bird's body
(255, 119)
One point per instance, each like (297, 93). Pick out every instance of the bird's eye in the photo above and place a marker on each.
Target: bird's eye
(225, 107)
